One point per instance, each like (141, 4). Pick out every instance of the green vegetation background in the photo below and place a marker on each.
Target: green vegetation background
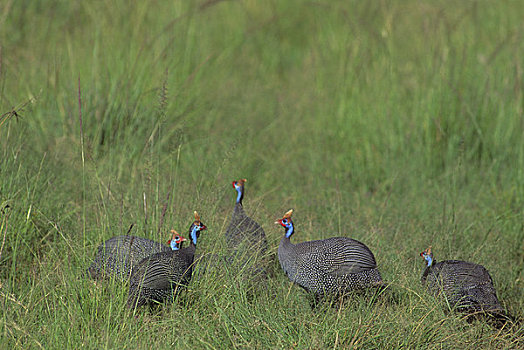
(398, 123)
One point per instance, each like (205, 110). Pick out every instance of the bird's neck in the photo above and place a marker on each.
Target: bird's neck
(189, 253)
(191, 248)
(286, 253)
(194, 235)
(285, 242)
(289, 231)
(240, 194)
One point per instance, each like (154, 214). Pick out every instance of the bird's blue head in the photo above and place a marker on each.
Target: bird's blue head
(287, 223)
(196, 227)
(239, 187)
(176, 241)
(428, 256)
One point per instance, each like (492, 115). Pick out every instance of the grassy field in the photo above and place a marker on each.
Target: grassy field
(397, 123)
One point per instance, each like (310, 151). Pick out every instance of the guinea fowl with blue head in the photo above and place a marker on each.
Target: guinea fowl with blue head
(327, 267)
(242, 230)
(466, 286)
(161, 275)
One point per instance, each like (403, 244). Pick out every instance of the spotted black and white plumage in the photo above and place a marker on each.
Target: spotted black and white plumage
(243, 231)
(118, 255)
(466, 286)
(161, 275)
(330, 266)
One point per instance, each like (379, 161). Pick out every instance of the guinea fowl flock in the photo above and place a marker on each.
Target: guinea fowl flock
(331, 267)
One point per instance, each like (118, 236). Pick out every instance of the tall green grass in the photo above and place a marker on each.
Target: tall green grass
(398, 123)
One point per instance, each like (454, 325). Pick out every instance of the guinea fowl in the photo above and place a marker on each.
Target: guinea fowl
(466, 286)
(242, 230)
(331, 266)
(118, 255)
(160, 275)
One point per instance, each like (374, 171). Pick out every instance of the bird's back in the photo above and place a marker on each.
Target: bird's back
(243, 230)
(332, 265)
(159, 275)
(119, 255)
(465, 285)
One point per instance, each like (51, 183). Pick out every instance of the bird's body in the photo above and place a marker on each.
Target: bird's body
(245, 238)
(161, 275)
(332, 266)
(118, 255)
(158, 277)
(243, 230)
(465, 285)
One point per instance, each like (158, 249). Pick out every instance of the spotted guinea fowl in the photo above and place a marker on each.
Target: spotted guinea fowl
(118, 255)
(466, 286)
(160, 275)
(331, 266)
(243, 230)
